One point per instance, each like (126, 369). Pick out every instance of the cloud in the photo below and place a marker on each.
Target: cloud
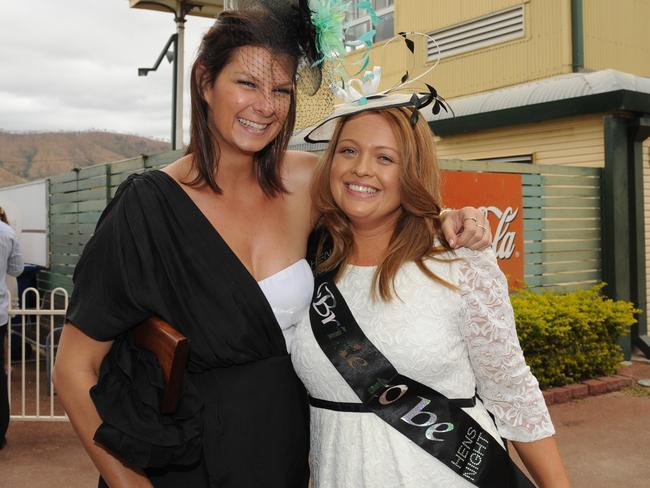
(73, 66)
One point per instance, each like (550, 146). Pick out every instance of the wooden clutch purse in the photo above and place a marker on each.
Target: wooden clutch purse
(172, 350)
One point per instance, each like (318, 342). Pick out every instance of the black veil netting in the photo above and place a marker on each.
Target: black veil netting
(290, 31)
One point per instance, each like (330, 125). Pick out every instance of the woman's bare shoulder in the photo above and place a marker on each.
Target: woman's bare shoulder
(298, 169)
(181, 169)
(301, 159)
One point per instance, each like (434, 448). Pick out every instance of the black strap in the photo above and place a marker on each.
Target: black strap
(338, 406)
(360, 407)
(420, 413)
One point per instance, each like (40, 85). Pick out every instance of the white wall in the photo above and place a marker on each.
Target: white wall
(27, 209)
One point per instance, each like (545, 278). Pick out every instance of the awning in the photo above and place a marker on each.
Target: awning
(563, 87)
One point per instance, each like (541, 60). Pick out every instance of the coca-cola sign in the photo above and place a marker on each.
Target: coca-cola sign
(499, 194)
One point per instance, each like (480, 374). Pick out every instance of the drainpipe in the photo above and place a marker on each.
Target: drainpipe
(577, 36)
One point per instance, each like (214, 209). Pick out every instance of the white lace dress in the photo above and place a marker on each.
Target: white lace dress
(453, 341)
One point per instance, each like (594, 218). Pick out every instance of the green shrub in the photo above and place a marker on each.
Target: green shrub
(569, 337)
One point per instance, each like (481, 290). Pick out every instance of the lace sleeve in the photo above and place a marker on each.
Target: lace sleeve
(504, 381)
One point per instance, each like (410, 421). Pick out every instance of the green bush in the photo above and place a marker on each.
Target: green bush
(569, 337)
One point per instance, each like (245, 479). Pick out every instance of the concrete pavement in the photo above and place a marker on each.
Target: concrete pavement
(604, 440)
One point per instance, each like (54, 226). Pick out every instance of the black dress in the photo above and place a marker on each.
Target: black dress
(243, 418)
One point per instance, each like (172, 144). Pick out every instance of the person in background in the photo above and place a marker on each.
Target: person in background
(11, 263)
(402, 331)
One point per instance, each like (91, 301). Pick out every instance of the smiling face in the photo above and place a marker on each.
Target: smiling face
(250, 99)
(365, 172)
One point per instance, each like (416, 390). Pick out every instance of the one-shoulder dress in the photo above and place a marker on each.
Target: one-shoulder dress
(242, 420)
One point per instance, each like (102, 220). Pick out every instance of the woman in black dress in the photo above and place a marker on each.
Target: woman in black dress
(190, 244)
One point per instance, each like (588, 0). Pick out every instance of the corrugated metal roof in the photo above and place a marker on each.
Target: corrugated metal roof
(557, 88)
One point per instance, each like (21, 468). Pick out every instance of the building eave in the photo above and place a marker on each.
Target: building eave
(619, 100)
(545, 99)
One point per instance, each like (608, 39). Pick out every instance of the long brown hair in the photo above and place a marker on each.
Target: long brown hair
(417, 235)
(3, 216)
(232, 30)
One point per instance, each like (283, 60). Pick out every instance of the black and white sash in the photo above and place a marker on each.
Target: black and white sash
(432, 421)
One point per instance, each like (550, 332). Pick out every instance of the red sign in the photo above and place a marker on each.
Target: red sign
(500, 195)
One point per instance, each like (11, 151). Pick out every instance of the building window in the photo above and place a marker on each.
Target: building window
(478, 33)
(359, 21)
(524, 158)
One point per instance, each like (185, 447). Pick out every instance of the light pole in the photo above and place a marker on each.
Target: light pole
(176, 107)
(180, 9)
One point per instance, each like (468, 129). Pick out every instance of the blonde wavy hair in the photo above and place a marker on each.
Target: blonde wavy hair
(417, 235)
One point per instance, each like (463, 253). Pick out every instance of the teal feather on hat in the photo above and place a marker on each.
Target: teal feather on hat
(328, 18)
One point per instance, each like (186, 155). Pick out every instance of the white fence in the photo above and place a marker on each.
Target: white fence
(37, 335)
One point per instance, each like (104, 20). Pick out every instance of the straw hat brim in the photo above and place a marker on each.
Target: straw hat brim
(323, 131)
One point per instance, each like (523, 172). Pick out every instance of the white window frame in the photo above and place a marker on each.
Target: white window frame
(357, 20)
(519, 158)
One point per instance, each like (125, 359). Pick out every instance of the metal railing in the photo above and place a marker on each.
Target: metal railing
(38, 328)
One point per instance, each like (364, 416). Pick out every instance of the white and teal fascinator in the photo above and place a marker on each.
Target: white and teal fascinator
(360, 92)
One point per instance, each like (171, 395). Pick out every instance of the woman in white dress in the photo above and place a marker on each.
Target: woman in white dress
(440, 318)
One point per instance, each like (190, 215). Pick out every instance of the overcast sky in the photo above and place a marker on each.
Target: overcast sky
(72, 65)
